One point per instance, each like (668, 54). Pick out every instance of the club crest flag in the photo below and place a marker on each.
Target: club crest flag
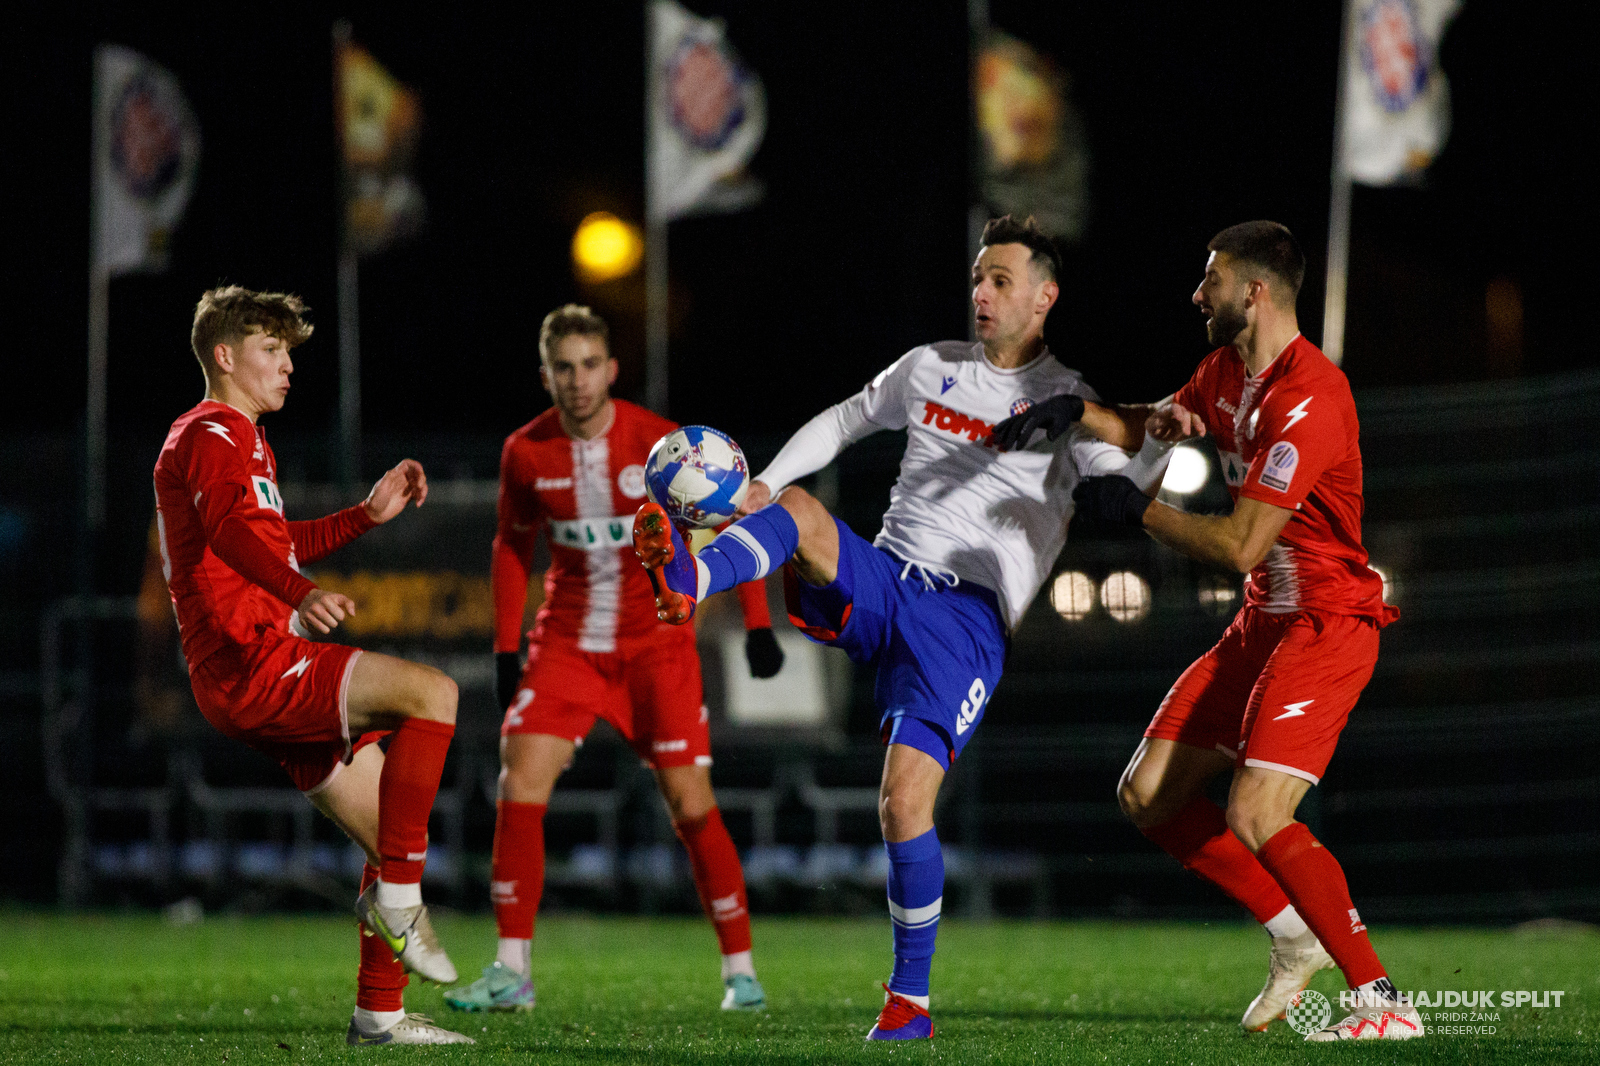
(1397, 101)
(708, 113)
(146, 146)
(379, 121)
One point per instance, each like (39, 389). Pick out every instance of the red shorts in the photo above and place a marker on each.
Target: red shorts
(1276, 690)
(285, 697)
(649, 689)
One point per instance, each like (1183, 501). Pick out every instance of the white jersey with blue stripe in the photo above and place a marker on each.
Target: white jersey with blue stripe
(995, 518)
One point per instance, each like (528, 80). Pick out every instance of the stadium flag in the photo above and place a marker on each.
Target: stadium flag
(1034, 158)
(1391, 120)
(144, 153)
(705, 115)
(378, 121)
(1396, 99)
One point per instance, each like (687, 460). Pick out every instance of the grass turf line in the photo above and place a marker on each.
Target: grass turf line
(120, 989)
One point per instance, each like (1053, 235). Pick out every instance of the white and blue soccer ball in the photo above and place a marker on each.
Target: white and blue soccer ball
(698, 475)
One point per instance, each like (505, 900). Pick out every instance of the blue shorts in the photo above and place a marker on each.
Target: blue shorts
(939, 649)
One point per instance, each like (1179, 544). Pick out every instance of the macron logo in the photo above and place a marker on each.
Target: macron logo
(298, 669)
(218, 428)
(1294, 710)
(945, 387)
(1296, 413)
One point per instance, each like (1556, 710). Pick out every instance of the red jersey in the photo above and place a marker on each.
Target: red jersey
(1289, 437)
(231, 561)
(584, 494)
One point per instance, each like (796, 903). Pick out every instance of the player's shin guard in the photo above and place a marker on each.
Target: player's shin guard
(1200, 839)
(517, 881)
(380, 979)
(1314, 881)
(916, 893)
(410, 780)
(718, 878)
(751, 548)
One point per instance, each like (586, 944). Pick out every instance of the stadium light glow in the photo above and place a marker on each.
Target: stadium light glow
(606, 248)
(1187, 472)
(1388, 581)
(1072, 595)
(1218, 595)
(1125, 596)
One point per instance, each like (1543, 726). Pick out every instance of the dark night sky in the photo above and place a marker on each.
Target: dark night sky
(1197, 117)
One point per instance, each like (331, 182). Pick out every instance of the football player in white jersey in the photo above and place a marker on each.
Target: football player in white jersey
(970, 535)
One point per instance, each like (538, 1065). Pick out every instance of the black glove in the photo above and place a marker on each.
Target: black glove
(1111, 501)
(761, 651)
(1055, 416)
(507, 673)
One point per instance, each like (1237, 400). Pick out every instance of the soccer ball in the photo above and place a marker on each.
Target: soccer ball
(698, 475)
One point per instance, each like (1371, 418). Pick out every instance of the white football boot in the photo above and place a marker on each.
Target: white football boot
(1294, 962)
(409, 935)
(411, 1029)
(1378, 1018)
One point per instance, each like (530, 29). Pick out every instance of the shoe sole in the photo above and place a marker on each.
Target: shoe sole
(652, 543)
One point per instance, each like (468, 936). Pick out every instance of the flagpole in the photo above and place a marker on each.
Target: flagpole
(94, 423)
(349, 471)
(1335, 292)
(655, 240)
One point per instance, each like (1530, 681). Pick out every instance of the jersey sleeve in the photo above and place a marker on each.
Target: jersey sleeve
(511, 561)
(321, 537)
(1301, 436)
(881, 405)
(234, 511)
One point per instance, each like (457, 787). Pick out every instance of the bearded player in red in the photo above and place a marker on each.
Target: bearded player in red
(244, 611)
(1267, 703)
(597, 651)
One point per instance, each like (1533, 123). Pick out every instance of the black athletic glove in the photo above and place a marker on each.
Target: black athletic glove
(507, 672)
(1111, 501)
(761, 651)
(1055, 416)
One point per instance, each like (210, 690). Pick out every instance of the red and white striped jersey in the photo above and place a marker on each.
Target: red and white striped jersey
(1290, 437)
(584, 494)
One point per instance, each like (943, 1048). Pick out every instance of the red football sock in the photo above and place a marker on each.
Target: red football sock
(718, 878)
(518, 877)
(1199, 838)
(380, 979)
(405, 796)
(1315, 882)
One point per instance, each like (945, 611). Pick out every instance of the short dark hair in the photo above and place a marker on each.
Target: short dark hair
(570, 320)
(1006, 230)
(1269, 246)
(229, 314)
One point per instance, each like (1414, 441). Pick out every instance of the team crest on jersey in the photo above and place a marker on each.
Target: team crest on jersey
(1281, 461)
(630, 482)
(1019, 406)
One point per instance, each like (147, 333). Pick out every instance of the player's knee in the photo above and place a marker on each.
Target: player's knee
(1254, 824)
(807, 511)
(1142, 803)
(434, 696)
(899, 812)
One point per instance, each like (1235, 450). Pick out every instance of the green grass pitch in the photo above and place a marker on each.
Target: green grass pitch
(130, 989)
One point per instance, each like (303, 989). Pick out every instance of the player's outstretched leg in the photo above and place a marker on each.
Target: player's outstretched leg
(1260, 811)
(419, 704)
(911, 779)
(748, 550)
(1161, 794)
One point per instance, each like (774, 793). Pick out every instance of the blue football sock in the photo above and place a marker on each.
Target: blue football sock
(916, 892)
(751, 548)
